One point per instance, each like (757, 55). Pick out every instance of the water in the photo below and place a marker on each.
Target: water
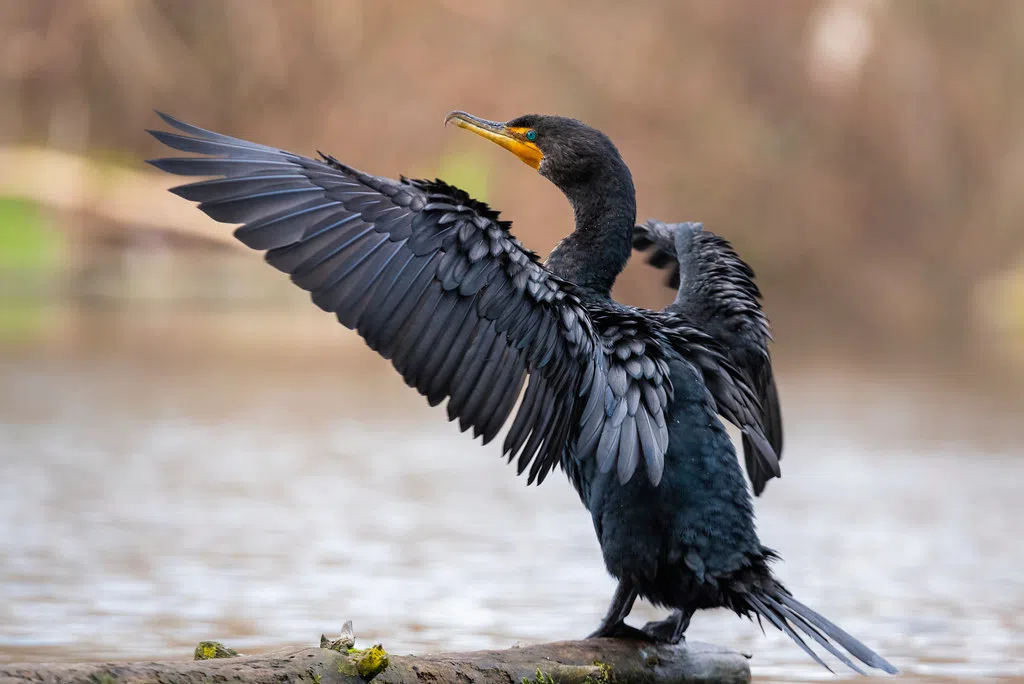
(156, 491)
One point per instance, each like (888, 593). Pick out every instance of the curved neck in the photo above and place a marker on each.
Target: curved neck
(594, 254)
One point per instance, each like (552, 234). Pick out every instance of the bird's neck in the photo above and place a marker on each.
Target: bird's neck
(594, 254)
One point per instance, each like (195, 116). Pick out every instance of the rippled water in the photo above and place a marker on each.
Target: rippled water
(150, 501)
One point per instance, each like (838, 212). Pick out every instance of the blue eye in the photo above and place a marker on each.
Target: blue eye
(531, 135)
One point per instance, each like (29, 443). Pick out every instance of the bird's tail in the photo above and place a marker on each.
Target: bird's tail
(772, 602)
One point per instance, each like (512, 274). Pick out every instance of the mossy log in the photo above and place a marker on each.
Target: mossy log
(594, 661)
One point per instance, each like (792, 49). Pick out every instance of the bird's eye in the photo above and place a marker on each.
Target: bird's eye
(531, 135)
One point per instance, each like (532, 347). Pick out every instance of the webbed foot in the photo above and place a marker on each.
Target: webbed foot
(619, 631)
(613, 625)
(671, 630)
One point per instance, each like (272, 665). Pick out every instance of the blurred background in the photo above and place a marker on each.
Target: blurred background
(189, 449)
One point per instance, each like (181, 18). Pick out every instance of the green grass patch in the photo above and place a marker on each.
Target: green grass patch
(31, 257)
(27, 242)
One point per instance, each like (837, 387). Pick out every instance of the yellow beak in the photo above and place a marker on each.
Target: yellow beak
(512, 139)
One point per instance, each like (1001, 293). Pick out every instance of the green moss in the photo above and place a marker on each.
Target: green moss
(598, 673)
(314, 676)
(207, 650)
(539, 678)
(102, 678)
(345, 666)
(372, 662)
(367, 663)
(605, 674)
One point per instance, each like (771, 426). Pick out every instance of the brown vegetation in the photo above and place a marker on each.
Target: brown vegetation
(865, 156)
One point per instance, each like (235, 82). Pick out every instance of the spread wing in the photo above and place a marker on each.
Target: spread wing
(429, 277)
(718, 294)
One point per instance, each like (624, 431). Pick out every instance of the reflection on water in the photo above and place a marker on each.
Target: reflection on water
(151, 500)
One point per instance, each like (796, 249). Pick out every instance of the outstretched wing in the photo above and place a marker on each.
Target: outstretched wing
(429, 277)
(718, 294)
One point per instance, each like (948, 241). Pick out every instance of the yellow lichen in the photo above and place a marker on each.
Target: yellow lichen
(213, 649)
(372, 662)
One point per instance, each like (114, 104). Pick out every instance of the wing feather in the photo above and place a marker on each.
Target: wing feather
(718, 295)
(435, 282)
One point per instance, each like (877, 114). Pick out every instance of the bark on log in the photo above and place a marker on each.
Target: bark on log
(596, 661)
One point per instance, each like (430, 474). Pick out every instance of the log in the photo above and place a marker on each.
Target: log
(595, 661)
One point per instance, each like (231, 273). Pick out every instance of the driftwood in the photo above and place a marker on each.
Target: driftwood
(597, 661)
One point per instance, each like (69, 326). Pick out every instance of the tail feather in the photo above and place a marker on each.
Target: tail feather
(810, 630)
(840, 636)
(780, 623)
(788, 615)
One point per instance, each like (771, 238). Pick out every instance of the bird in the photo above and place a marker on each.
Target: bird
(624, 400)
(717, 291)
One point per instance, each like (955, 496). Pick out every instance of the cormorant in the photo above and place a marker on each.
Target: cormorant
(717, 293)
(625, 400)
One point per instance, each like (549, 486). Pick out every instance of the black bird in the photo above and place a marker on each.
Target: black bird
(625, 401)
(718, 294)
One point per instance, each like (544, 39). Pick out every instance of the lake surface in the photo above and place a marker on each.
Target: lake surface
(155, 492)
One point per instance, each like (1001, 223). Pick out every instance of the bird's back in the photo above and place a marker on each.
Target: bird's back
(698, 520)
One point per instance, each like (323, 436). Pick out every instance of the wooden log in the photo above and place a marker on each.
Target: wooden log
(595, 661)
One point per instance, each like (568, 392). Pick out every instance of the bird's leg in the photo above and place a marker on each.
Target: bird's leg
(614, 626)
(671, 629)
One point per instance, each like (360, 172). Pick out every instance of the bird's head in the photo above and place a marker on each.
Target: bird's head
(565, 151)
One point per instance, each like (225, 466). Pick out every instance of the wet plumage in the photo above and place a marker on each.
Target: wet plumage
(624, 400)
